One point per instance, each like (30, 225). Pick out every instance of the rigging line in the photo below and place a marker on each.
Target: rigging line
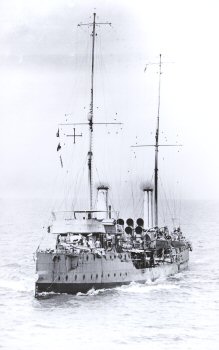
(75, 175)
(68, 184)
(120, 184)
(165, 197)
(73, 186)
(79, 65)
(164, 204)
(167, 211)
(170, 198)
(95, 203)
(57, 179)
(64, 186)
(126, 190)
(195, 225)
(104, 77)
(139, 207)
(110, 201)
(180, 207)
(50, 207)
(82, 79)
(163, 213)
(132, 193)
(107, 167)
(135, 178)
(173, 200)
(74, 63)
(138, 200)
(85, 78)
(134, 203)
(76, 185)
(174, 203)
(123, 188)
(178, 201)
(172, 191)
(165, 200)
(104, 169)
(98, 176)
(106, 110)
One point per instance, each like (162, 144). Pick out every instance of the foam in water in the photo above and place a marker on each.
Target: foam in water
(146, 287)
(134, 287)
(93, 292)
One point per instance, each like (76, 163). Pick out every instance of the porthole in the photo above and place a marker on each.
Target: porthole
(115, 256)
(75, 277)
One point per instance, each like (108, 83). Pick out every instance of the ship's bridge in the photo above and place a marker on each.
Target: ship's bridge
(73, 222)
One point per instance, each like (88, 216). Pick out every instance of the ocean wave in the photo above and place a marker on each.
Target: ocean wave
(12, 265)
(93, 292)
(134, 287)
(147, 287)
(48, 295)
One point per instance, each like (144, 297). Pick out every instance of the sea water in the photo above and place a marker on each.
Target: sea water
(179, 312)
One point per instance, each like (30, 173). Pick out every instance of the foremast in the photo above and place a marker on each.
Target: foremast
(91, 112)
(90, 118)
(156, 152)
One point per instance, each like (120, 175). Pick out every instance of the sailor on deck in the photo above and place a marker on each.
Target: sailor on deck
(97, 243)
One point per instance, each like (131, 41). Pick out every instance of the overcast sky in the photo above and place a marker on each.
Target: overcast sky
(44, 73)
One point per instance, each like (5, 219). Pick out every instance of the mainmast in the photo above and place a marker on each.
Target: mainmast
(156, 152)
(156, 146)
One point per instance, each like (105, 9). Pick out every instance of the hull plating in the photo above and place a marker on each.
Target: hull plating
(80, 274)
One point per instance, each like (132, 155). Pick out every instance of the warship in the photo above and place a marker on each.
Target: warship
(96, 248)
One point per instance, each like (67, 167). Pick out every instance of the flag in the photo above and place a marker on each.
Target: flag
(61, 161)
(58, 147)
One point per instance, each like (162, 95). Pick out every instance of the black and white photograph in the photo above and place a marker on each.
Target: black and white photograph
(109, 195)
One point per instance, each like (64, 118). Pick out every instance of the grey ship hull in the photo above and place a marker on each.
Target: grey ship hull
(62, 273)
